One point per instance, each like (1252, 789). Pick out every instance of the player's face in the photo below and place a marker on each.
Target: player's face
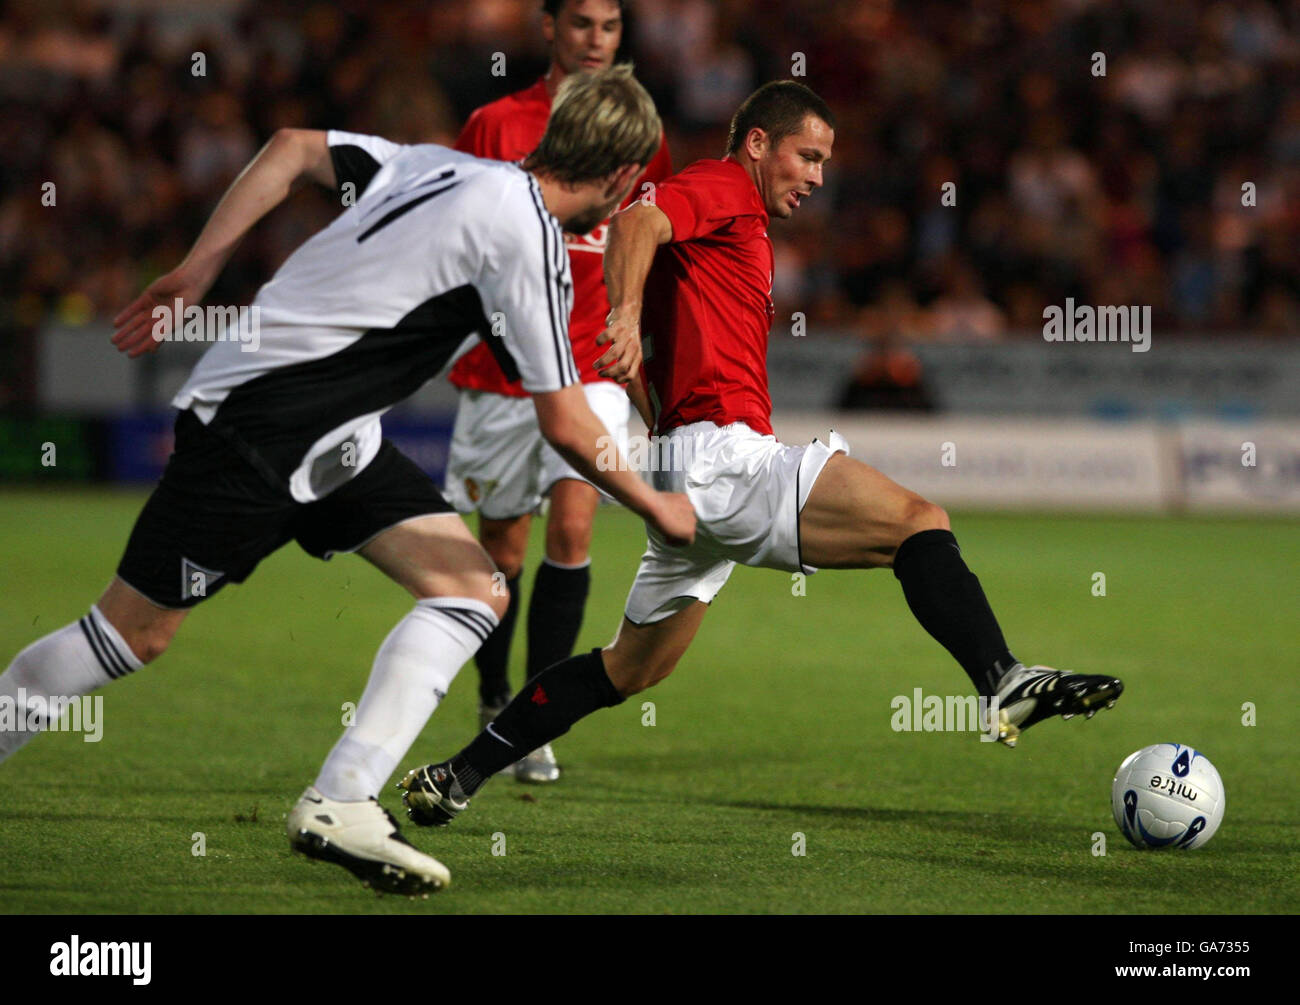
(789, 173)
(584, 35)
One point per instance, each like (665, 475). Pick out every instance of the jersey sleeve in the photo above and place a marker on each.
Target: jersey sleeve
(697, 202)
(357, 158)
(478, 137)
(527, 295)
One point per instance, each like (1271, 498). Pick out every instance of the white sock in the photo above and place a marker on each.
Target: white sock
(73, 661)
(412, 672)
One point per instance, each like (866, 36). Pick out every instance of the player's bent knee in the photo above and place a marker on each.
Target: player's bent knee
(507, 564)
(149, 643)
(507, 559)
(498, 599)
(568, 540)
(568, 553)
(924, 515)
(146, 628)
(483, 584)
(487, 589)
(506, 542)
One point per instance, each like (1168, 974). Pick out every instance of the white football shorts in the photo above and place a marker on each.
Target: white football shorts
(499, 463)
(747, 490)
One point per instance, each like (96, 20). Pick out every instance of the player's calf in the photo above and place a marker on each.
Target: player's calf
(146, 628)
(630, 675)
(506, 542)
(643, 655)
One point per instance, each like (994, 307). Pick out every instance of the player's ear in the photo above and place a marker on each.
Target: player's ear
(756, 143)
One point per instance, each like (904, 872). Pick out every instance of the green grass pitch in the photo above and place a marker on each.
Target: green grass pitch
(776, 724)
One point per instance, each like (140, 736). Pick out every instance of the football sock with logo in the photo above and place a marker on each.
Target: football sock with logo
(555, 613)
(69, 663)
(543, 710)
(948, 601)
(411, 674)
(493, 659)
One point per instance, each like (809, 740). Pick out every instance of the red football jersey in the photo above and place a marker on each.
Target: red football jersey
(707, 307)
(509, 130)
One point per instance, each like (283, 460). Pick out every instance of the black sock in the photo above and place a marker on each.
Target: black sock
(948, 601)
(493, 657)
(543, 710)
(555, 614)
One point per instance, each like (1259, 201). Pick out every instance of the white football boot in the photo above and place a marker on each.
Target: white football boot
(364, 838)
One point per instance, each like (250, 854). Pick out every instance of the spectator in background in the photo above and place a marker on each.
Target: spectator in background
(888, 374)
(887, 377)
(1066, 184)
(962, 313)
(714, 77)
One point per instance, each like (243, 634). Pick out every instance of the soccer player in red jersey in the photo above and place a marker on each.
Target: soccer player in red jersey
(499, 462)
(695, 272)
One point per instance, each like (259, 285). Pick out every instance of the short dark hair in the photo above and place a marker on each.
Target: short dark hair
(778, 108)
(552, 7)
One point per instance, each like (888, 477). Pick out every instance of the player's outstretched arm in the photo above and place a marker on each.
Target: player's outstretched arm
(635, 234)
(290, 156)
(572, 428)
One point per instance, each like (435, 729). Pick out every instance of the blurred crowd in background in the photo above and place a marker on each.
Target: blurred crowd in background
(1122, 188)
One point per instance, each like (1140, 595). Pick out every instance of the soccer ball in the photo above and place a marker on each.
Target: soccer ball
(1167, 796)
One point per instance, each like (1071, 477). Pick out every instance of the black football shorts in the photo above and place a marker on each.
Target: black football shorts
(213, 516)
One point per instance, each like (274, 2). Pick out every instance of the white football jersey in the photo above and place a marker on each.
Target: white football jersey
(439, 248)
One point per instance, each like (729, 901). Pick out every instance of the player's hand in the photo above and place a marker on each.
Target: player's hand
(674, 518)
(623, 336)
(135, 324)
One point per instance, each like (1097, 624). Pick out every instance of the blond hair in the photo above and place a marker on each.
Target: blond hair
(600, 121)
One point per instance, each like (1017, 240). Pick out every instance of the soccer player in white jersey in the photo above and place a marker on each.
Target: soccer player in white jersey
(692, 274)
(284, 443)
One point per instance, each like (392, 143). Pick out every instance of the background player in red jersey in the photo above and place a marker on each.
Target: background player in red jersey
(694, 271)
(499, 463)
